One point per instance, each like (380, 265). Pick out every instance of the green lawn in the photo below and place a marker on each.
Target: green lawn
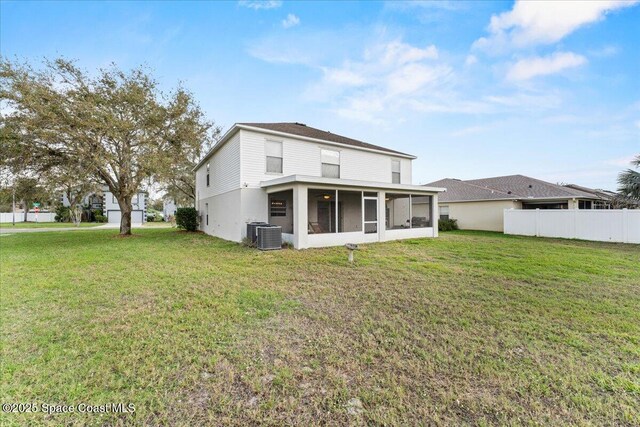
(47, 224)
(469, 328)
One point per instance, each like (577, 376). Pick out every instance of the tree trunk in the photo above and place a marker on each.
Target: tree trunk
(125, 218)
(26, 209)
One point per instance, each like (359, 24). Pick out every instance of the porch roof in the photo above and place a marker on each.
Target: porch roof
(304, 179)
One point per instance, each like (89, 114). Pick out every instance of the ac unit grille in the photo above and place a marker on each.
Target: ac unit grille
(269, 237)
(252, 232)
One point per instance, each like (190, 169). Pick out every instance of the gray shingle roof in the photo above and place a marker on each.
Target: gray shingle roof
(458, 190)
(505, 188)
(309, 132)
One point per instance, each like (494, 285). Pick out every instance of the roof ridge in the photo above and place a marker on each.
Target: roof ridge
(489, 188)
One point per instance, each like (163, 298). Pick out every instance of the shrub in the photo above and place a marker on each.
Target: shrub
(447, 224)
(62, 214)
(187, 219)
(100, 218)
(154, 216)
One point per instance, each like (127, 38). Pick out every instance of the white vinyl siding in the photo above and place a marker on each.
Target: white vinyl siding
(224, 170)
(330, 163)
(395, 171)
(273, 154)
(304, 158)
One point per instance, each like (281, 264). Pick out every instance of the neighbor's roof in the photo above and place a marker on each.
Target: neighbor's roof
(603, 194)
(304, 132)
(510, 187)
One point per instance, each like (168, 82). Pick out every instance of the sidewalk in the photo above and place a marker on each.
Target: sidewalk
(5, 230)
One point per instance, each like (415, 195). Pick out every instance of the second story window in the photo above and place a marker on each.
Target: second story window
(330, 163)
(395, 171)
(207, 174)
(273, 152)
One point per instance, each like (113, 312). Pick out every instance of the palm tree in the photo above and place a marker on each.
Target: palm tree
(629, 181)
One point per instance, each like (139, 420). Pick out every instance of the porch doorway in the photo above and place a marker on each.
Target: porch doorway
(281, 210)
(326, 213)
(370, 217)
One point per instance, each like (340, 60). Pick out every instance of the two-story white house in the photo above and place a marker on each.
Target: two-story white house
(107, 202)
(323, 189)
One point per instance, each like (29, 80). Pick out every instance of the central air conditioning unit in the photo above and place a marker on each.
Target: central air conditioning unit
(252, 233)
(269, 237)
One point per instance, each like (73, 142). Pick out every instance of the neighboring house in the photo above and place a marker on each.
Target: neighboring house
(606, 199)
(169, 208)
(323, 189)
(479, 204)
(107, 202)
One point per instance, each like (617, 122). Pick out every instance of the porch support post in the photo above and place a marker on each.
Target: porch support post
(435, 214)
(382, 213)
(300, 216)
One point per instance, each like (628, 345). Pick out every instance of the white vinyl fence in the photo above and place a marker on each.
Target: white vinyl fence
(606, 225)
(31, 217)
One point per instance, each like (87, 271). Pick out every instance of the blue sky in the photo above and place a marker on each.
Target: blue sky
(476, 89)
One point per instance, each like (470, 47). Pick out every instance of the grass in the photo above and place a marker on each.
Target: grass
(46, 225)
(467, 329)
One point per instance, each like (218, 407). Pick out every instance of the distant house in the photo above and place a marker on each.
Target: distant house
(107, 202)
(323, 189)
(169, 208)
(478, 204)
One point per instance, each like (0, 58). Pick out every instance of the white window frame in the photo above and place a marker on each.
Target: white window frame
(399, 171)
(267, 156)
(322, 162)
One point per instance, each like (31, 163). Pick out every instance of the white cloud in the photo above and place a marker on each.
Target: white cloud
(471, 130)
(400, 53)
(605, 52)
(471, 59)
(411, 78)
(526, 101)
(426, 4)
(344, 77)
(389, 74)
(260, 4)
(544, 22)
(290, 21)
(531, 67)
(621, 162)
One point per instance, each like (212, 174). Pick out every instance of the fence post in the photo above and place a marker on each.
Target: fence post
(537, 222)
(625, 225)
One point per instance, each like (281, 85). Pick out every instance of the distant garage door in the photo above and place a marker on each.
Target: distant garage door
(114, 217)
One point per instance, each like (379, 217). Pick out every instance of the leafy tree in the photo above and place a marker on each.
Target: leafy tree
(75, 184)
(156, 204)
(118, 126)
(179, 183)
(28, 190)
(629, 181)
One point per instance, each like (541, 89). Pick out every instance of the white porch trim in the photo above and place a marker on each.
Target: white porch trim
(300, 185)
